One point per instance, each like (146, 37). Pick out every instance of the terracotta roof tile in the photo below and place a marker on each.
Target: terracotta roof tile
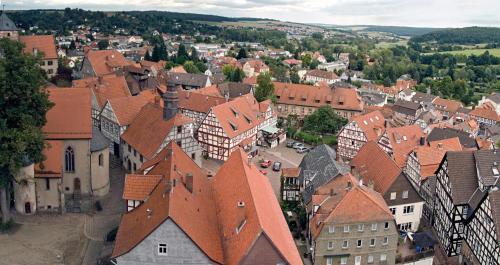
(42, 43)
(127, 108)
(138, 187)
(371, 123)
(374, 165)
(322, 74)
(52, 165)
(447, 104)
(485, 113)
(261, 211)
(317, 96)
(106, 87)
(148, 129)
(199, 102)
(403, 141)
(105, 61)
(194, 212)
(429, 156)
(70, 117)
(237, 116)
(290, 172)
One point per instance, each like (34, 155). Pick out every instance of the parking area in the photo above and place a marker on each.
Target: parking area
(287, 156)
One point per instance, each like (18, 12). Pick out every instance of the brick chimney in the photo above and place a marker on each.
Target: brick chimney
(171, 103)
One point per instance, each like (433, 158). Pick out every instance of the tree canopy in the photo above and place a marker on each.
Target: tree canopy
(265, 87)
(23, 106)
(324, 121)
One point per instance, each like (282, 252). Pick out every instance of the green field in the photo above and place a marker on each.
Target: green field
(494, 52)
(387, 45)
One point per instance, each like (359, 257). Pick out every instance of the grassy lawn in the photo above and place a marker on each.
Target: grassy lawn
(494, 52)
(387, 45)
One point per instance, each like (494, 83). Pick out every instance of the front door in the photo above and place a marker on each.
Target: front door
(116, 149)
(27, 208)
(357, 260)
(76, 185)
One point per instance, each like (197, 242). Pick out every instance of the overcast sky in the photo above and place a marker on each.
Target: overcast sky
(418, 13)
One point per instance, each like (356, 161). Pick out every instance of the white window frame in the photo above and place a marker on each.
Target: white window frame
(386, 241)
(329, 261)
(162, 249)
(345, 244)
(393, 196)
(386, 225)
(329, 245)
(331, 229)
(407, 208)
(374, 240)
(393, 210)
(405, 194)
(383, 257)
(361, 227)
(359, 243)
(374, 227)
(346, 230)
(343, 260)
(370, 259)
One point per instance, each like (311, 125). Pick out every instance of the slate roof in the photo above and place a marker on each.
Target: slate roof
(406, 107)
(234, 89)
(423, 97)
(186, 79)
(6, 24)
(486, 160)
(99, 141)
(319, 167)
(446, 133)
(462, 175)
(494, 196)
(495, 97)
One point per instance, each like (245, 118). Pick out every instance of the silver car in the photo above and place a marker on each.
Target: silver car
(298, 145)
(302, 149)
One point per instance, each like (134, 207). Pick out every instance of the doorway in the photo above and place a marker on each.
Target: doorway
(76, 185)
(27, 208)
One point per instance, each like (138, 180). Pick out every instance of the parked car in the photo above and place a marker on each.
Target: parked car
(290, 144)
(302, 149)
(266, 163)
(277, 166)
(298, 145)
(264, 172)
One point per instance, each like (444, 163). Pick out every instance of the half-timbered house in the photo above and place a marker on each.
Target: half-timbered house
(400, 141)
(232, 124)
(359, 130)
(196, 105)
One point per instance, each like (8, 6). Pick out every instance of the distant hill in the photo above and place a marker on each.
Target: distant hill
(469, 35)
(401, 31)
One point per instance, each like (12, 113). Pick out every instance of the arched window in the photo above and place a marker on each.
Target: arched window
(69, 160)
(101, 160)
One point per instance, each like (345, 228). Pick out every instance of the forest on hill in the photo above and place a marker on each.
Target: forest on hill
(469, 35)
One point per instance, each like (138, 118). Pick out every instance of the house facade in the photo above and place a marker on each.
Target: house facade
(315, 76)
(44, 46)
(357, 132)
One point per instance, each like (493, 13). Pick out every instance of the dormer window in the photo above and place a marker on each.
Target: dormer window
(233, 126)
(235, 113)
(247, 119)
(240, 227)
(494, 169)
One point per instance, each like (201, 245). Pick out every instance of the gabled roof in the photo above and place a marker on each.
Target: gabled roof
(485, 113)
(148, 130)
(237, 116)
(495, 97)
(446, 133)
(406, 107)
(186, 79)
(429, 156)
(322, 74)
(193, 212)
(70, 117)
(403, 140)
(52, 165)
(194, 101)
(6, 24)
(486, 160)
(447, 104)
(105, 87)
(99, 141)
(375, 166)
(138, 187)
(317, 96)
(462, 175)
(335, 200)
(318, 167)
(40, 43)
(234, 89)
(260, 211)
(104, 61)
(127, 108)
(372, 124)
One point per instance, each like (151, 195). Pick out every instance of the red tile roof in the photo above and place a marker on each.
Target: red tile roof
(485, 113)
(42, 43)
(317, 96)
(375, 166)
(70, 117)
(337, 207)
(430, 156)
(193, 212)
(447, 104)
(103, 62)
(371, 123)
(261, 211)
(127, 108)
(148, 130)
(322, 74)
(237, 116)
(138, 187)
(105, 87)
(199, 102)
(403, 141)
(52, 165)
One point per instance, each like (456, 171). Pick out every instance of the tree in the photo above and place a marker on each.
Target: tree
(191, 68)
(324, 121)
(103, 44)
(265, 87)
(232, 73)
(72, 45)
(242, 53)
(23, 106)
(294, 77)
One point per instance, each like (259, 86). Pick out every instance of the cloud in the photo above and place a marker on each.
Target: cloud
(431, 13)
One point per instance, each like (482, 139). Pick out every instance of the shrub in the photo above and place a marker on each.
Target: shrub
(6, 226)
